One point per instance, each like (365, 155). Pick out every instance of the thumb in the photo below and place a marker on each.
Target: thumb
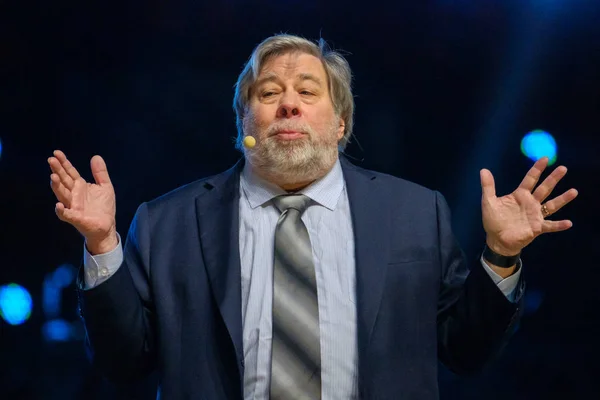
(99, 170)
(488, 187)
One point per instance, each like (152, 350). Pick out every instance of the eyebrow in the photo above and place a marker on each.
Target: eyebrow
(272, 77)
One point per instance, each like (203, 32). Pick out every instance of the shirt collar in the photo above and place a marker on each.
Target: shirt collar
(325, 191)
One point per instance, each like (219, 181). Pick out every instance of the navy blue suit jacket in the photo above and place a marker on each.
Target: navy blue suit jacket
(174, 306)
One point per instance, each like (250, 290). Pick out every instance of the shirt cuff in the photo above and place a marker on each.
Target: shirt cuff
(506, 285)
(100, 267)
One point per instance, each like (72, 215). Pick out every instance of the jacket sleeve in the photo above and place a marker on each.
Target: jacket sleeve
(475, 319)
(118, 314)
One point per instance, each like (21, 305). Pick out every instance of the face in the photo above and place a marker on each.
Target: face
(291, 116)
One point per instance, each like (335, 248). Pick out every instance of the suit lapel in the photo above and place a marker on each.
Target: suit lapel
(369, 209)
(218, 222)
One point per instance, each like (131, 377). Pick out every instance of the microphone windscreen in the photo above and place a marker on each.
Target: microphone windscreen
(249, 142)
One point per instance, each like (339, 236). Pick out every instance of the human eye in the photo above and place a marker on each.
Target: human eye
(267, 93)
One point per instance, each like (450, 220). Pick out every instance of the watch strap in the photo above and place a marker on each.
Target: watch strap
(498, 259)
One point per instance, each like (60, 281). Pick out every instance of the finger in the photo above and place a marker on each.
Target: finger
(556, 226)
(66, 164)
(63, 213)
(59, 209)
(58, 169)
(60, 191)
(548, 185)
(559, 202)
(533, 175)
(488, 187)
(99, 170)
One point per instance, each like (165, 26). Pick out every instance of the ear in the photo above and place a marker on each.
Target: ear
(341, 129)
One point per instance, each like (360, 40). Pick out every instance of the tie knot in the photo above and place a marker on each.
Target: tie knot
(296, 201)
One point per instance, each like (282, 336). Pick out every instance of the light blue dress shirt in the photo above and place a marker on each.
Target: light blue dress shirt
(329, 225)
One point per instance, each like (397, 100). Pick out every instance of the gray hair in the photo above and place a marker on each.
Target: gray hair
(338, 72)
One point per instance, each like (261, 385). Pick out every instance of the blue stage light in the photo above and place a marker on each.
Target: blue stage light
(0, 148)
(15, 304)
(537, 144)
(63, 276)
(51, 299)
(54, 283)
(57, 330)
(533, 300)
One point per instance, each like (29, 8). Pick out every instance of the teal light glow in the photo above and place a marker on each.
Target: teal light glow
(537, 144)
(15, 304)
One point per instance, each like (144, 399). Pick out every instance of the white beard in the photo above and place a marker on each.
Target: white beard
(292, 161)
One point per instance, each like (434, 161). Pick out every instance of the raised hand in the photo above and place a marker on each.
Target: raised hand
(89, 207)
(515, 220)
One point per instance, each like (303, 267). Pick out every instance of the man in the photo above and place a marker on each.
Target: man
(295, 274)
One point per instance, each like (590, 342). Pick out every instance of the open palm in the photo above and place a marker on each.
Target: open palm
(89, 207)
(515, 220)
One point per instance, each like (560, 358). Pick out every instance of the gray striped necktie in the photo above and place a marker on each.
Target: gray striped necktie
(296, 357)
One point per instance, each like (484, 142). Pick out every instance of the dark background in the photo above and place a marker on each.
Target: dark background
(442, 89)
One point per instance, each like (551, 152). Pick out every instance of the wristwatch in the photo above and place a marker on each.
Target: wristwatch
(498, 259)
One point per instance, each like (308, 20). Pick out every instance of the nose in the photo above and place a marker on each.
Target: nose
(288, 111)
(288, 108)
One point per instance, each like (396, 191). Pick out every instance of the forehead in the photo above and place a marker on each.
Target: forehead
(289, 65)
